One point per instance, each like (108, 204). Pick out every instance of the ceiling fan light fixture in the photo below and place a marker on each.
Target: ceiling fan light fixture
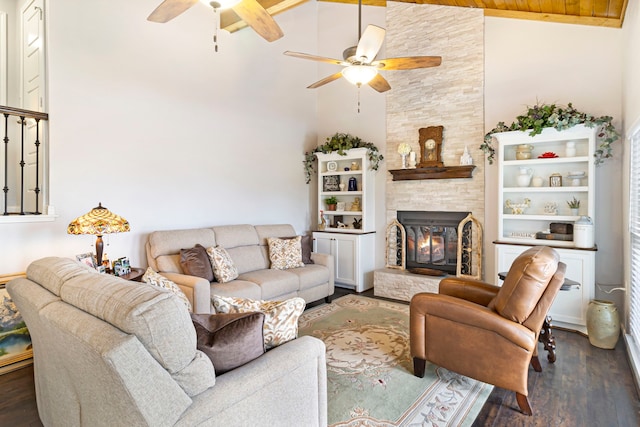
(359, 74)
(220, 4)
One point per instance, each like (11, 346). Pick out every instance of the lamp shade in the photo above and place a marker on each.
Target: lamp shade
(359, 74)
(98, 222)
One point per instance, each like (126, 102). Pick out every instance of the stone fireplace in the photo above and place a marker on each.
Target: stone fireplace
(451, 96)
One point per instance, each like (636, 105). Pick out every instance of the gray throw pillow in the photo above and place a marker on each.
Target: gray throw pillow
(195, 262)
(230, 339)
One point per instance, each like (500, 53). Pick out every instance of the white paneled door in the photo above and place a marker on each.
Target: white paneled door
(33, 94)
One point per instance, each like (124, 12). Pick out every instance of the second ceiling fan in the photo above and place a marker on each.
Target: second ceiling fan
(250, 11)
(360, 64)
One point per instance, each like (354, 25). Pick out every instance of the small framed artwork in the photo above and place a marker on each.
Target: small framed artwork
(331, 183)
(555, 180)
(121, 266)
(86, 259)
(332, 166)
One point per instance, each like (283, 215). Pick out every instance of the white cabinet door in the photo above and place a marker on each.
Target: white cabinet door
(569, 309)
(345, 252)
(353, 256)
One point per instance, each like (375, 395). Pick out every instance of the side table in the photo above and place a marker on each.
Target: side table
(135, 275)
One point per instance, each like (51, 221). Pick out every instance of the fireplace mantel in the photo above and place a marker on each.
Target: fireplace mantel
(445, 172)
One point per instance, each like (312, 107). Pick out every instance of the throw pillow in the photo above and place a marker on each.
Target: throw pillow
(285, 253)
(195, 262)
(281, 317)
(307, 248)
(306, 242)
(229, 340)
(156, 279)
(223, 268)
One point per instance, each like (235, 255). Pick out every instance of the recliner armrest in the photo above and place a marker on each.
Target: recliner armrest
(468, 289)
(196, 289)
(472, 314)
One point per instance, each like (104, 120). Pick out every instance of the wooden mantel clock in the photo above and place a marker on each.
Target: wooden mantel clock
(431, 147)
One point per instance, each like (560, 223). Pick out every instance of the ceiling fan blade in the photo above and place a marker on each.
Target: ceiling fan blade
(252, 12)
(370, 43)
(408, 63)
(314, 57)
(379, 83)
(326, 80)
(169, 9)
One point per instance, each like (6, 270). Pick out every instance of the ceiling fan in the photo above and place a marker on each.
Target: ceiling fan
(360, 66)
(250, 11)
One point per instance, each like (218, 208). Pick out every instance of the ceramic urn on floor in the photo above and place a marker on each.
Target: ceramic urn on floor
(603, 324)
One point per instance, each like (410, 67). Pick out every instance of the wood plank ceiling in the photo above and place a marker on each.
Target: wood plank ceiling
(604, 13)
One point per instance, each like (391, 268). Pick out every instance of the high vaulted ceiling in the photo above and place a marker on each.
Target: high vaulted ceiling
(604, 13)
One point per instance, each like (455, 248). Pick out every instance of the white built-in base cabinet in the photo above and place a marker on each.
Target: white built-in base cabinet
(569, 309)
(354, 257)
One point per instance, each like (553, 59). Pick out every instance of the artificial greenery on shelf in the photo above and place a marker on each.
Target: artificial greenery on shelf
(573, 203)
(541, 116)
(340, 142)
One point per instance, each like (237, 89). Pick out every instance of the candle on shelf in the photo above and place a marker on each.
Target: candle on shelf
(412, 159)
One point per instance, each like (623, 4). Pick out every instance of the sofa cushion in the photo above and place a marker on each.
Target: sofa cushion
(232, 236)
(195, 262)
(157, 318)
(285, 253)
(525, 283)
(281, 317)
(248, 258)
(273, 230)
(155, 279)
(52, 272)
(273, 283)
(223, 268)
(230, 340)
(311, 275)
(169, 242)
(237, 288)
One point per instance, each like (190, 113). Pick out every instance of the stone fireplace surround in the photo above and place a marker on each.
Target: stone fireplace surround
(450, 95)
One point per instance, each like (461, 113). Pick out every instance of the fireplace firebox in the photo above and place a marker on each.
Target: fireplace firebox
(432, 239)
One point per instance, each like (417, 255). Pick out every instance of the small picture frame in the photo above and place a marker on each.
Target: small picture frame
(332, 166)
(555, 180)
(121, 266)
(87, 259)
(331, 183)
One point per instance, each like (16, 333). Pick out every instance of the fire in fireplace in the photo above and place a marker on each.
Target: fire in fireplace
(432, 239)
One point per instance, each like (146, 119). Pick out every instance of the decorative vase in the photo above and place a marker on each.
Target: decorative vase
(575, 211)
(603, 324)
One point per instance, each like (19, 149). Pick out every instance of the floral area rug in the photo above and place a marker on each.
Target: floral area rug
(370, 379)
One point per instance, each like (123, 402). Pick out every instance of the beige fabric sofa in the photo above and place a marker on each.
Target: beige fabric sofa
(110, 352)
(247, 245)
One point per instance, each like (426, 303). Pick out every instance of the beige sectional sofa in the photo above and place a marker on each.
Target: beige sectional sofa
(247, 245)
(111, 352)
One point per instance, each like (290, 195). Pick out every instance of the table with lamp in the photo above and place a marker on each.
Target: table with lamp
(98, 222)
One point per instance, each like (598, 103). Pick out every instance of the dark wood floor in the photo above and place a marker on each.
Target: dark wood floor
(586, 386)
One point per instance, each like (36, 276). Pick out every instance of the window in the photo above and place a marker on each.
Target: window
(633, 340)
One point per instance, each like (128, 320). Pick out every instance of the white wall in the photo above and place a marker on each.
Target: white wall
(631, 93)
(528, 62)
(631, 114)
(147, 119)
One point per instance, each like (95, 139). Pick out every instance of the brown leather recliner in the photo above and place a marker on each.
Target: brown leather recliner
(487, 332)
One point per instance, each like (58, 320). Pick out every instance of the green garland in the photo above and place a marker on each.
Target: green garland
(541, 116)
(341, 142)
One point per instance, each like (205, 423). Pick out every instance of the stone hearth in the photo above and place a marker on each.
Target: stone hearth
(402, 285)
